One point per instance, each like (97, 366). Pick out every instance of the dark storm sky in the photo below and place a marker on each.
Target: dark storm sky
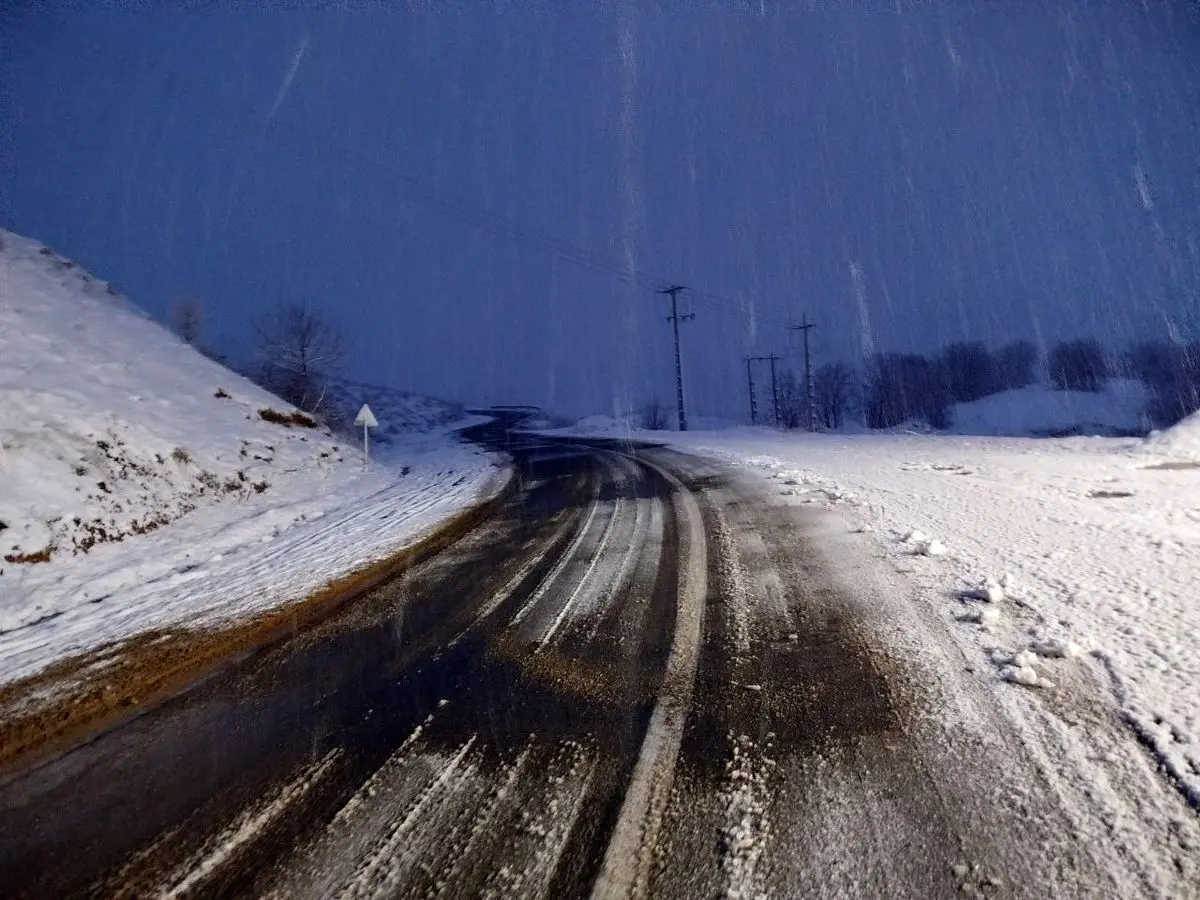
(905, 174)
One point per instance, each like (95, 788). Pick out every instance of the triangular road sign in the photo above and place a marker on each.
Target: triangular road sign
(366, 418)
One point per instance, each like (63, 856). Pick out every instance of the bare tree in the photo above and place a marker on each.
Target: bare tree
(793, 404)
(298, 347)
(1015, 364)
(189, 318)
(834, 388)
(654, 415)
(1171, 373)
(969, 371)
(900, 387)
(1078, 366)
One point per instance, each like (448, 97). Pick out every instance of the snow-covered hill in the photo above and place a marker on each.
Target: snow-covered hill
(111, 428)
(1040, 411)
(401, 414)
(130, 465)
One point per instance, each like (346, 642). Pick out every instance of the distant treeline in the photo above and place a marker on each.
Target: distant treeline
(903, 387)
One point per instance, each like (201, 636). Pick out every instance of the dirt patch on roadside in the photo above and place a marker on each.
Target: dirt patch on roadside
(79, 697)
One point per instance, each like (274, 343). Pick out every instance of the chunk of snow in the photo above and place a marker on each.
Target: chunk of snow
(989, 591)
(988, 615)
(1024, 659)
(1025, 675)
(929, 547)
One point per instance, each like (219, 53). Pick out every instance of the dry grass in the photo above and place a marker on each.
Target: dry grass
(39, 556)
(180, 455)
(287, 419)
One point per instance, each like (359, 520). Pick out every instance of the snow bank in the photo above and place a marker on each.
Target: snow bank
(144, 484)
(1040, 411)
(1097, 550)
(1179, 443)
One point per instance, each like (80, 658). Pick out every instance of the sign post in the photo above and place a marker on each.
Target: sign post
(366, 419)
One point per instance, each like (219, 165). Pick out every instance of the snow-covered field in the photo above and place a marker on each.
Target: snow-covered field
(144, 486)
(1043, 555)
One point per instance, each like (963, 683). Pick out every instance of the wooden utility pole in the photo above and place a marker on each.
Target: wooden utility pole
(674, 319)
(750, 385)
(805, 327)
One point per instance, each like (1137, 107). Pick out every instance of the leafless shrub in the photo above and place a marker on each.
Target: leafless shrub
(298, 347)
(188, 316)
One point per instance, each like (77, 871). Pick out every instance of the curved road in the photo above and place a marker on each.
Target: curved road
(639, 679)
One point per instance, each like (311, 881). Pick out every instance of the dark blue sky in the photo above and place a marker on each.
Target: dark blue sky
(905, 175)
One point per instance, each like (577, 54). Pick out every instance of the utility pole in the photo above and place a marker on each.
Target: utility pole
(750, 385)
(674, 319)
(805, 327)
(774, 389)
(774, 384)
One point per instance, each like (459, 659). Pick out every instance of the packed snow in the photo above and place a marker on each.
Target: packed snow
(146, 486)
(1042, 554)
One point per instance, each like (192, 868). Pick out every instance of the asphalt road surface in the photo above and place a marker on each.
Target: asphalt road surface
(640, 678)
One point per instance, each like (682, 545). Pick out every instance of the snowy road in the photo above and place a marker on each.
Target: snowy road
(643, 677)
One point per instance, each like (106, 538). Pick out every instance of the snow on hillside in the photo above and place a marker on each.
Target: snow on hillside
(401, 414)
(142, 484)
(1041, 411)
(1047, 549)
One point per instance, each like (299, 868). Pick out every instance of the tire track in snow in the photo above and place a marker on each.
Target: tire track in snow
(647, 514)
(627, 863)
(483, 830)
(374, 873)
(531, 866)
(191, 877)
(586, 580)
(565, 560)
